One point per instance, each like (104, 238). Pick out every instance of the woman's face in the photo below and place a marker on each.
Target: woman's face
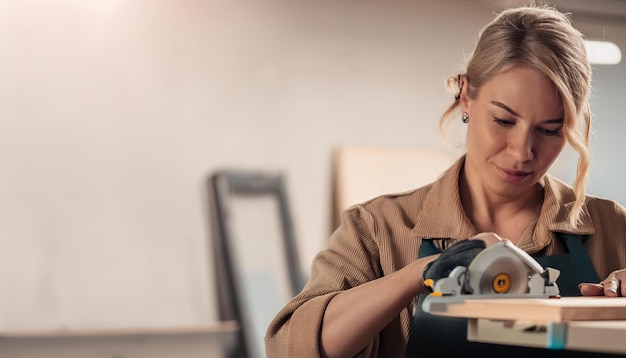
(514, 132)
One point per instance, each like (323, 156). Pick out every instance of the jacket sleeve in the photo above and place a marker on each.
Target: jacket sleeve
(350, 259)
(607, 249)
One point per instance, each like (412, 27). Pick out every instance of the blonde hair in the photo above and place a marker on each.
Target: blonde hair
(544, 39)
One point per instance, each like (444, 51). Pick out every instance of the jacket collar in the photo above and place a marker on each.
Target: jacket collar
(442, 214)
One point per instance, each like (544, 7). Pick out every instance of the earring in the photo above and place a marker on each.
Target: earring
(465, 117)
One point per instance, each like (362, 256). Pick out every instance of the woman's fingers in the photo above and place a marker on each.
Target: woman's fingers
(610, 287)
(591, 289)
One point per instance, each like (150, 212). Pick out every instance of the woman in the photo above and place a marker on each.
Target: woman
(523, 97)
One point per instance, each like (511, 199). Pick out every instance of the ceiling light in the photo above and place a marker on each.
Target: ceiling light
(603, 53)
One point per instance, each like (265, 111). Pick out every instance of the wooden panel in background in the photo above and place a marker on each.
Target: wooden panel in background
(360, 173)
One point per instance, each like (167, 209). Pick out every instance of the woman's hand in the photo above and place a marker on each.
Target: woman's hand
(611, 287)
(459, 254)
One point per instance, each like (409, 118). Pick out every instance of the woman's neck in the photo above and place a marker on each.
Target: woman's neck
(509, 217)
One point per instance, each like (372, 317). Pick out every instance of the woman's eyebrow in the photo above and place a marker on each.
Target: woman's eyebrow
(506, 108)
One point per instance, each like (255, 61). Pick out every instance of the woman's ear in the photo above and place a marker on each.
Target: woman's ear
(463, 98)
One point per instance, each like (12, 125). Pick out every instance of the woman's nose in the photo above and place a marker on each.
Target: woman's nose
(520, 146)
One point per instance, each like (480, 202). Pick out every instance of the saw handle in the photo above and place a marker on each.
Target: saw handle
(460, 254)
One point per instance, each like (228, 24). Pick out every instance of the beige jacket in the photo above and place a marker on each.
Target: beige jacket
(384, 234)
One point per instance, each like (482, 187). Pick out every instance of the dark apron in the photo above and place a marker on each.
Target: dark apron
(436, 336)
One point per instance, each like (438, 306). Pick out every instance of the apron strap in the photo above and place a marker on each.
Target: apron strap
(575, 244)
(428, 248)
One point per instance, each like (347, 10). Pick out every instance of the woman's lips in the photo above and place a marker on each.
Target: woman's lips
(514, 175)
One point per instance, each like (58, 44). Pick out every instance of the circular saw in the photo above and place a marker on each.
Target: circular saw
(500, 270)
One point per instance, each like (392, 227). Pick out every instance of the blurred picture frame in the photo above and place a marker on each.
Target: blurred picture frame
(257, 262)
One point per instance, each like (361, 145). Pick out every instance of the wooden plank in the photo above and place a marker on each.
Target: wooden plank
(533, 309)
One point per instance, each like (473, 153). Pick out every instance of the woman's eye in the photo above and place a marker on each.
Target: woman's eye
(503, 122)
(550, 132)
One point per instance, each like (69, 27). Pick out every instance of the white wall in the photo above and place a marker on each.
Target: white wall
(114, 113)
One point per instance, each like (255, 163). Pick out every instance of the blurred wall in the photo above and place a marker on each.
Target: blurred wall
(114, 113)
(607, 172)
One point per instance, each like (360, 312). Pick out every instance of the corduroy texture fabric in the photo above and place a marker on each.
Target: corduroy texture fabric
(381, 236)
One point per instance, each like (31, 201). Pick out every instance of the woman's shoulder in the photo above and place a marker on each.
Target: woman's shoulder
(595, 204)
(604, 206)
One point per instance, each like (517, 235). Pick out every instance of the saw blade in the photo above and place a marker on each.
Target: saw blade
(497, 273)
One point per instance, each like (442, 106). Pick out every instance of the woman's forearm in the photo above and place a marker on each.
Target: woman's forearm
(354, 317)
